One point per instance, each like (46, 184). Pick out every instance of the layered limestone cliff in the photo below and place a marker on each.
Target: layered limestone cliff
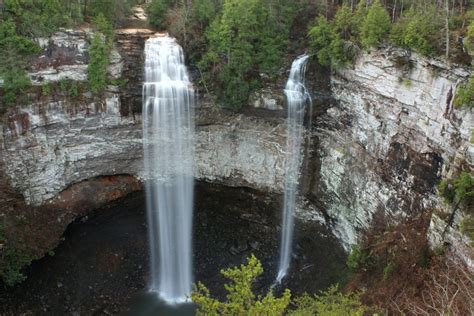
(380, 145)
(392, 135)
(54, 143)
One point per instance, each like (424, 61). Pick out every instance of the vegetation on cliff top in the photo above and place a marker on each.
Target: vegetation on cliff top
(459, 192)
(236, 45)
(24, 21)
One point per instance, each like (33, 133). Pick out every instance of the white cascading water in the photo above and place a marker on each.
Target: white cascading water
(297, 96)
(168, 128)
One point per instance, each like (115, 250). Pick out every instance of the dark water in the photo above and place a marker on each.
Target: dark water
(150, 305)
(101, 266)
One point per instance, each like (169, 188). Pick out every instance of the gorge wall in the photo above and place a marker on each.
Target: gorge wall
(389, 139)
(381, 138)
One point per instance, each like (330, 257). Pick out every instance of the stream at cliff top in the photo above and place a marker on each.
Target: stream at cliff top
(102, 265)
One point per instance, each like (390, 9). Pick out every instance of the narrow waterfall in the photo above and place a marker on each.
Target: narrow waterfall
(297, 96)
(168, 128)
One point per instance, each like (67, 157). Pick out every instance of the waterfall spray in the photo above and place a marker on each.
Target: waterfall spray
(297, 96)
(168, 128)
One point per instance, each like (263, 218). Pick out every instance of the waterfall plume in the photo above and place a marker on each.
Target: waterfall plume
(168, 128)
(297, 96)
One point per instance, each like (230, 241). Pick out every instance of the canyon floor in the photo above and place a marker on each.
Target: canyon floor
(101, 266)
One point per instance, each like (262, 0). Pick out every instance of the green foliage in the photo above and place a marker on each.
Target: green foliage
(459, 190)
(99, 50)
(156, 12)
(464, 187)
(46, 89)
(41, 17)
(329, 303)
(465, 94)
(204, 11)
(321, 36)
(98, 62)
(331, 42)
(446, 190)
(357, 258)
(115, 11)
(246, 39)
(15, 84)
(14, 260)
(16, 50)
(375, 26)
(121, 82)
(417, 30)
(388, 271)
(240, 298)
(467, 227)
(103, 25)
(406, 82)
(359, 17)
(469, 41)
(343, 22)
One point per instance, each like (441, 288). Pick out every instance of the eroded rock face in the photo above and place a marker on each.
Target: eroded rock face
(50, 147)
(389, 140)
(381, 147)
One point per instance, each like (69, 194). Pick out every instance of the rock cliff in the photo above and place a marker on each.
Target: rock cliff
(380, 145)
(391, 136)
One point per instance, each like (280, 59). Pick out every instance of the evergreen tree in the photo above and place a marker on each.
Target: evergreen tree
(375, 26)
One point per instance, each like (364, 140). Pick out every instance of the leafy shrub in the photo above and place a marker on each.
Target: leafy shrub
(357, 258)
(98, 62)
(242, 301)
(246, 39)
(388, 270)
(375, 26)
(329, 303)
(15, 260)
(15, 85)
(465, 94)
(459, 190)
(156, 11)
(99, 50)
(240, 298)
(467, 227)
(321, 36)
(464, 187)
(446, 190)
(115, 11)
(417, 30)
(103, 25)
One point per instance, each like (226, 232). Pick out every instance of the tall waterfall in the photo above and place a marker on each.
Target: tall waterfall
(297, 96)
(168, 128)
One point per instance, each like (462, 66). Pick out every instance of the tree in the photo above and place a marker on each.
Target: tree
(375, 26)
(240, 298)
(329, 303)
(244, 41)
(321, 36)
(114, 10)
(156, 11)
(343, 21)
(98, 62)
(417, 30)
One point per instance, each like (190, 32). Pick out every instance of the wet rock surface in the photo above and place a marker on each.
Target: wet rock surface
(101, 266)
